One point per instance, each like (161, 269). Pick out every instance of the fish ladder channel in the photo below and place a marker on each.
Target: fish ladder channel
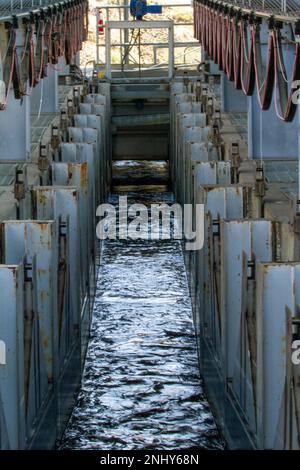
(141, 386)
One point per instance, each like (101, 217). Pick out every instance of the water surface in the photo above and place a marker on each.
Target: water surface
(141, 386)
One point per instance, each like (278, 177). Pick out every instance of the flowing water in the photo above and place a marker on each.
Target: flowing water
(141, 387)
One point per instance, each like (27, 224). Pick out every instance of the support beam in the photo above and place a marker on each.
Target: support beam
(62, 67)
(138, 25)
(44, 96)
(15, 129)
(268, 135)
(233, 100)
(15, 121)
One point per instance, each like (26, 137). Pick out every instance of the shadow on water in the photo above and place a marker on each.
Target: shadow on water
(141, 387)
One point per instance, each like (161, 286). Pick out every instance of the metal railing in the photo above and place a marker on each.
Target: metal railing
(123, 43)
(9, 8)
(289, 7)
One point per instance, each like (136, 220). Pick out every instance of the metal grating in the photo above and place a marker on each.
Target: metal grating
(13, 7)
(63, 92)
(291, 192)
(239, 121)
(7, 173)
(281, 171)
(290, 7)
(39, 124)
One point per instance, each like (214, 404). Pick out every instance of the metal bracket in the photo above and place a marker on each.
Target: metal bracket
(260, 185)
(28, 272)
(251, 270)
(235, 161)
(19, 186)
(43, 162)
(55, 138)
(297, 219)
(216, 227)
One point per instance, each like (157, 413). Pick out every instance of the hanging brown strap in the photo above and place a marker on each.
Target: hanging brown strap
(237, 46)
(27, 60)
(11, 73)
(265, 84)
(285, 92)
(247, 61)
(39, 51)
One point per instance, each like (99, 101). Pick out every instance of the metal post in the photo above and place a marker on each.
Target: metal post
(15, 126)
(44, 97)
(126, 35)
(171, 51)
(233, 100)
(97, 37)
(107, 52)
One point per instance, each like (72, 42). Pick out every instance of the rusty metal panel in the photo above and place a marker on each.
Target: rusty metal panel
(90, 136)
(191, 107)
(277, 307)
(90, 108)
(201, 173)
(87, 135)
(188, 134)
(221, 202)
(76, 174)
(87, 120)
(213, 173)
(38, 241)
(95, 99)
(68, 152)
(78, 153)
(224, 202)
(100, 100)
(98, 122)
(62, 204)
(85, 153)
(102, 104)
(243, 242)
(12, 372)
(176, 99)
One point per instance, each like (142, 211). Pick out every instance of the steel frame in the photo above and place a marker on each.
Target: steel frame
(138, 25)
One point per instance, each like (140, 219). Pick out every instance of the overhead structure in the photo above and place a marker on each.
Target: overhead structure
(35, 35)
(234, 34)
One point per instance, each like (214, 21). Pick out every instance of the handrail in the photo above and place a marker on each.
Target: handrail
(285, 11)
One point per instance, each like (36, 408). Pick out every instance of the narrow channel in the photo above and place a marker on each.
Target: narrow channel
(141, 387)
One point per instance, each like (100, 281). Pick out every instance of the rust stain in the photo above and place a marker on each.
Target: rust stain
(43, 295)
(41, 271)
(41, 197)
(43, 226)
(84, 175)
(46, 343)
